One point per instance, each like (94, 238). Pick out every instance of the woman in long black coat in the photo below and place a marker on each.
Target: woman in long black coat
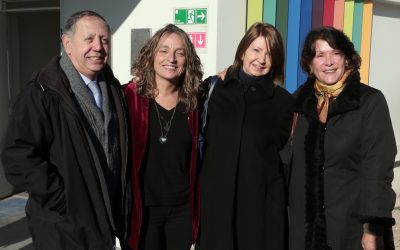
(249, 120)
(340, 194)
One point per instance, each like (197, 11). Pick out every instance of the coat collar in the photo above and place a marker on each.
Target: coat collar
(266, 83)
(53, 71)
(349, 99)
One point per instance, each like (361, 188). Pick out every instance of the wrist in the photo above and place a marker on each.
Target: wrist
(373, 228)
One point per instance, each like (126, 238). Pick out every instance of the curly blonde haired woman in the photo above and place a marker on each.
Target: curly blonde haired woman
(162, 108)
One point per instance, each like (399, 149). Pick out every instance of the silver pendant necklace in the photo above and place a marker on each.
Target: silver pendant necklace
(167, 124)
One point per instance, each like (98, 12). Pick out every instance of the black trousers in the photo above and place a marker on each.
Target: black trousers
(166, 228)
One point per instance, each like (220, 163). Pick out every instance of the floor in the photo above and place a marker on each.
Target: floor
(14, 233)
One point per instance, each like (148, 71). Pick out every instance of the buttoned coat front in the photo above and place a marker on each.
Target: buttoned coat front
(347, 162)
(242, 184)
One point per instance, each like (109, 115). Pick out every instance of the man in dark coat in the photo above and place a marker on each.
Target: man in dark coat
(66, 143)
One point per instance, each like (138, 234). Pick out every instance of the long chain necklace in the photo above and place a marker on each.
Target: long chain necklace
(164, 129)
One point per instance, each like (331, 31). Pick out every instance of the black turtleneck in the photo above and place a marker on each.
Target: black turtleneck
(247, 79)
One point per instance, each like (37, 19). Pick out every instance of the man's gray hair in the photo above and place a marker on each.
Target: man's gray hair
(70, 24)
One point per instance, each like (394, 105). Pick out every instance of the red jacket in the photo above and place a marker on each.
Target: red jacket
(138, 118)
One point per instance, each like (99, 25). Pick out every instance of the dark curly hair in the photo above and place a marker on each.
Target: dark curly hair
(189, 81)
(337, 40)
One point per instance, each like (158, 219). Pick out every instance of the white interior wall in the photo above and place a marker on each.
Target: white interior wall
(231, 23)
(384, 69)
(225, 27)
(147, 16)
(385, 52)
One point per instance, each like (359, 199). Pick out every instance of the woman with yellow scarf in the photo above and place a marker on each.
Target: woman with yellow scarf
(343, 145)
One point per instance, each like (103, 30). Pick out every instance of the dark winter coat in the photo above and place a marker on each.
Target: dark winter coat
(242, 184)
(138, 110)
(342, 170)
(49, 150)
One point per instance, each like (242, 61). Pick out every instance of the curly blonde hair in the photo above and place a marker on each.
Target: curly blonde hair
(189, 81)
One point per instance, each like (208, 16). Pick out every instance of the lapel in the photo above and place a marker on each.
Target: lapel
(62, 87)
(138, 110)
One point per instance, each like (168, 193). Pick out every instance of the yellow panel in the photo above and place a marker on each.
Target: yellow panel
(366, 40)
(348, 18)
(254, 11)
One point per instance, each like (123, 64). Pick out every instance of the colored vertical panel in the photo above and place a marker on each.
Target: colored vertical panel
(338, 15)
(317, 13)
(329, 8)
(292, 50)
(282, 7)
(305, 27)
(254, 11)
(357, 24)
(366, 40)
(269, 14)
(348, 18)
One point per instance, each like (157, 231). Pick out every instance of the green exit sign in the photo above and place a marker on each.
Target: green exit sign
(190, 16)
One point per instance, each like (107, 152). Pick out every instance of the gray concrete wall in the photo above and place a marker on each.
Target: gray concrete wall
(5, 188)
(27, 41)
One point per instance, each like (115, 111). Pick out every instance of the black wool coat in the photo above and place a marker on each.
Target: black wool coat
(242, 185)
(50, 150)
(341, 171)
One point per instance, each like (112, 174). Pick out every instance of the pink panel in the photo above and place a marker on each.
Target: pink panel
(338, 17)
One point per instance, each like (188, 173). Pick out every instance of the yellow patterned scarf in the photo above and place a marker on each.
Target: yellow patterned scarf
(327, 93)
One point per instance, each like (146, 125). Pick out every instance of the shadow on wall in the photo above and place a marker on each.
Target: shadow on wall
(114, 12)
(387, 10)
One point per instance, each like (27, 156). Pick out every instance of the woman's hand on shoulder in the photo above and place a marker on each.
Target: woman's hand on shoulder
(135, 79)
(222, 73)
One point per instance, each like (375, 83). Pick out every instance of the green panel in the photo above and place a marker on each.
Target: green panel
(269, 14)
(357, 24)
(282, 7)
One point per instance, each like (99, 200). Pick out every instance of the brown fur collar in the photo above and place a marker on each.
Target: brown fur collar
(349, 99)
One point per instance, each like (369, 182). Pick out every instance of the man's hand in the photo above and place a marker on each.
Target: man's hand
(371, 242)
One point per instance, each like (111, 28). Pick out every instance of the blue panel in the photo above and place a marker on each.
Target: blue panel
(305, 27)
(292, 51)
